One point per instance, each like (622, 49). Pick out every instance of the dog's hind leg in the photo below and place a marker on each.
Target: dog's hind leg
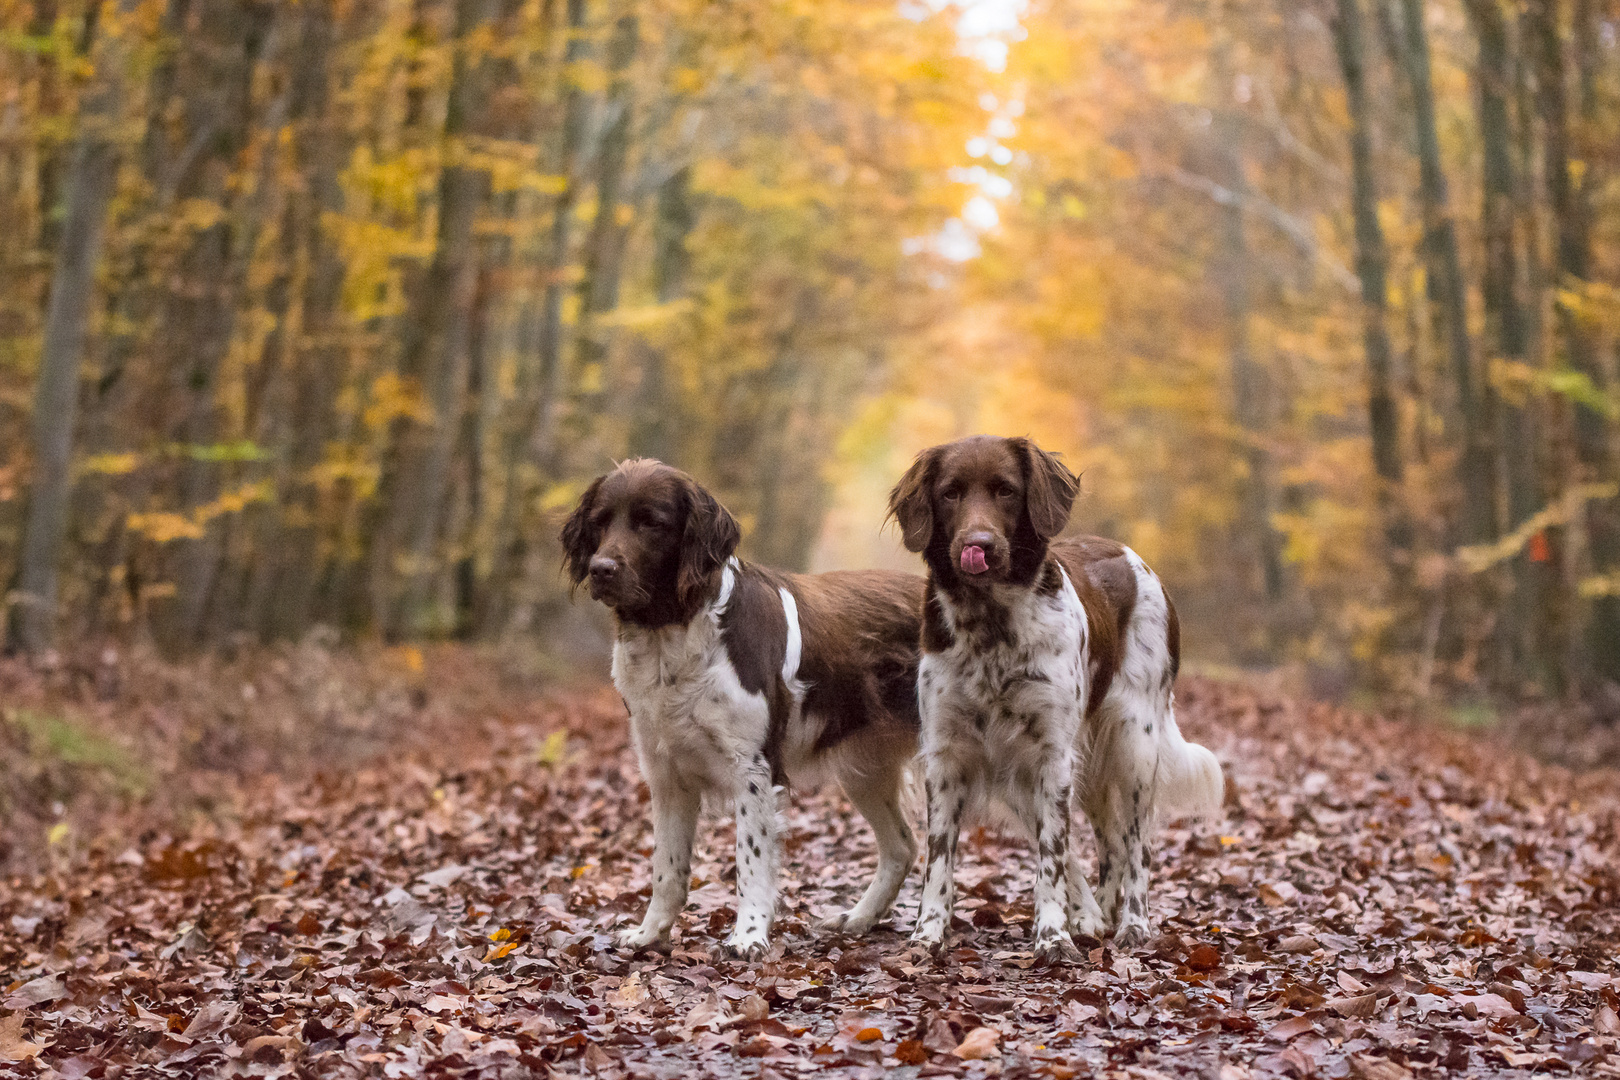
(756, 859)
(875, 791)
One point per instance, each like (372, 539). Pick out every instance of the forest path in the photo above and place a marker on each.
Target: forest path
(1381, 900)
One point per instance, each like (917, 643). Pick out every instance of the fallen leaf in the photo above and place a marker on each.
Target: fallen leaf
(36, 992)
(911, 1052)
(1372, 1068)
(1362, 1005)
(978, 1043)
(13, 1046)
(1290, 1028)
(630, 992)
(444, 876)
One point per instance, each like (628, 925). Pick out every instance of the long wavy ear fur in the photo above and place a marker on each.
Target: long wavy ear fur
(1050, 491)
(911, 503)
(710, 538)
(580, 536)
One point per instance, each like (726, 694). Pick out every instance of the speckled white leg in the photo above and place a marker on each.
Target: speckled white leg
(756, 859)
(946, 785)
(675, 814)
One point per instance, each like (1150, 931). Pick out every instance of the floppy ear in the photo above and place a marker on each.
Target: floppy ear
(1050, 489)
(580, 536)
(911, 503)
(711, 536)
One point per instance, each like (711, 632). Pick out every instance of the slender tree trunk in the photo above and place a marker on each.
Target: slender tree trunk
(529, 446)
(198, 316)
(92, 177)
(541, 433)
(436, 355)
(1250, 389)
(604, 247)
(655, 413)
(1506, 325)
(1448, 289)
(1571, 211)
(1372, 267)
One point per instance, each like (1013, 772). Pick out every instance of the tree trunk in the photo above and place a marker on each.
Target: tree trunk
(1250, 390)
(529, 443)
(655, 413)
(541, 433)
(1372, 267)
(436, 357)
(1571, 211)
(93, 175)
(1447, 288)
(301, 365)
(198, 314)
(1526, 644)
(604, 247)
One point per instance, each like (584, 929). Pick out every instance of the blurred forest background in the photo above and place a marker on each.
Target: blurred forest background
(319, 312)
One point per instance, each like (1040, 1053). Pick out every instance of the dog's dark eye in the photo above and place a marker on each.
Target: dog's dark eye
(647, 524)
(1005, 491)
(950, 494)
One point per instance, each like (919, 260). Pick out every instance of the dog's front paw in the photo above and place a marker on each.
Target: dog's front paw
(1054, 946)
(849, 923)
(929, 934)
(1131, 932)
(747, 946)
(643, 937)
(1087, 923)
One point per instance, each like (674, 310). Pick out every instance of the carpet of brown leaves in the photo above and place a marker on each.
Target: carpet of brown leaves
(1381, 900)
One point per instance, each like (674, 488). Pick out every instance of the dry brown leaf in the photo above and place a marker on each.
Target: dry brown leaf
(1350, 984)
(1290, 1028)
(1373, 1068)
(630, 992)
(979, 1043)
(1362, 1005)
(13, 1046)
(911, 1052)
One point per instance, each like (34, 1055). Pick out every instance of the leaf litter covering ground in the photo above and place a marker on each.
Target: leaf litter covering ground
(1380, 901)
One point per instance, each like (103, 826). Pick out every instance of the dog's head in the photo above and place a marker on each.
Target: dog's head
(649, 540)
(982, 509)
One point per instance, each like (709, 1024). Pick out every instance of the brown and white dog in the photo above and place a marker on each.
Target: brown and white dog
(1045, 677)
(738, 678)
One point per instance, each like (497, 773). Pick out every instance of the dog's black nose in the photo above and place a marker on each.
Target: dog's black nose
(603, 569)
(979, 539)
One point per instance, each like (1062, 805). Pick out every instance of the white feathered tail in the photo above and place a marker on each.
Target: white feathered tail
(1190, 780)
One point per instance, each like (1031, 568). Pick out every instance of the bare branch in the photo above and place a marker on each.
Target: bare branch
(1303, 236)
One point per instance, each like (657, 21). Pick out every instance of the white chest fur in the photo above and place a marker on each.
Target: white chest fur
(1026, 690)
(690, 717)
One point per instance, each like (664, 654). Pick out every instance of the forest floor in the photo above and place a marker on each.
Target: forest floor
(435, 894)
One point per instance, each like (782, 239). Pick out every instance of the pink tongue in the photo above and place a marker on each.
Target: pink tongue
(973, 560)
